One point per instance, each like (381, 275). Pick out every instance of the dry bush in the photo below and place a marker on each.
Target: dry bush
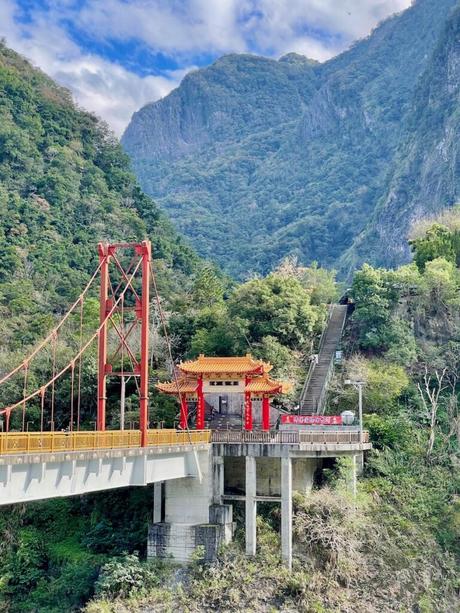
(327, 530)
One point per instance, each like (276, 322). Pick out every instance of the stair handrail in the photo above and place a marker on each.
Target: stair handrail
(313, 363)
(330, 370)
(331, 308)
(311, 368)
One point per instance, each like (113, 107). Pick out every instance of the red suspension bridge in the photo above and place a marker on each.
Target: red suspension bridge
(125, 275)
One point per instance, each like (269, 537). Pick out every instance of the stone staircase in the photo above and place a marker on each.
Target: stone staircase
(314, 392)
(226, 422)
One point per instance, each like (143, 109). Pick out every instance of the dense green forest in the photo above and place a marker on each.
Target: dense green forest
(255, 159)
(65, 185)
(397, 547)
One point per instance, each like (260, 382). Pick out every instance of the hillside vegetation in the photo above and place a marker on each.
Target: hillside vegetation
(397, 546)
(65, 184)
(256, 159)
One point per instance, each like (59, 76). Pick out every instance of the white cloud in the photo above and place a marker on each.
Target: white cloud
(182, 29)
(266, 26)
(105, 88)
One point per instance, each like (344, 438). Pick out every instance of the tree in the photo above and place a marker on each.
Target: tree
(208, 288)
(320, 283)
(436, 243)
(441, 280)
(430, 390)
(275, 306)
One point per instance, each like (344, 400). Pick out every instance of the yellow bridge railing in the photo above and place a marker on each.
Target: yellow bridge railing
(42, 442)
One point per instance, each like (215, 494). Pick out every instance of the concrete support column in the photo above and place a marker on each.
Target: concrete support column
(251, 506)
(286, 511)
(360, 463)
(353, 476)
(157, 502)
(303, 472)
(218, 479)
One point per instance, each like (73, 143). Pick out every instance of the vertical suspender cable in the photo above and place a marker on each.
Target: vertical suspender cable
(52, 385)
(42, 408)
(79, 366)
(72, 380)
(176, 380)
(24, 394)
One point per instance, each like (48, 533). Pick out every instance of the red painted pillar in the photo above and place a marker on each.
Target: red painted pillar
(247, 408)
(103, 250)
(144, 378)
(266, 412)
(200, 406)
(183, 412)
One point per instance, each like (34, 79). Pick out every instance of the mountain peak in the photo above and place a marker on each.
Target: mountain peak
(255, 159)
(297, 58)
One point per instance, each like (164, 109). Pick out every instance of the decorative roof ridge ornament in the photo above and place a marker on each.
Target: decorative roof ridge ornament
(243, 365)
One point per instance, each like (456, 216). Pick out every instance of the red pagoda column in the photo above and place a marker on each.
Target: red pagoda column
(247, 408)
(183, 412)
(200, 406)
(266, 412)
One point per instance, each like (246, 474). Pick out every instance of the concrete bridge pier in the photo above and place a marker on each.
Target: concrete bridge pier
(286, 511)
(251, 506)
(191, 517)
(158, 500)
(273, 479)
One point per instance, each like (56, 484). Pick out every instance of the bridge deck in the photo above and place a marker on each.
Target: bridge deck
(42, 442)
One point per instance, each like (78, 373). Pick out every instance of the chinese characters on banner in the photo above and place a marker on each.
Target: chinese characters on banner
(312, 420)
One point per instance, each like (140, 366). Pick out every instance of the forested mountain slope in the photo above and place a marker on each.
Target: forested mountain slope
(425, 176)
(65, 184)
(254, 159)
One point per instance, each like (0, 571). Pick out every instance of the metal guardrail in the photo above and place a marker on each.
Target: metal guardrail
(336, 437)
(291, 437)
(241, 436)
(42, 442)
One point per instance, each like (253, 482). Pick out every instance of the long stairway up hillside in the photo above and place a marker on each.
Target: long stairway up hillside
(314, 392)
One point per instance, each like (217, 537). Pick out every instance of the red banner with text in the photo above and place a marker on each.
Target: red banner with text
(312, 420)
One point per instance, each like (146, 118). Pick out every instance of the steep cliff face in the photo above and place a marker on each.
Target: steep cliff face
(236, 96)
(425, 176)
(255, 159)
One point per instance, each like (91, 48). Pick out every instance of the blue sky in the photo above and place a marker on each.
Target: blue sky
(116, 55)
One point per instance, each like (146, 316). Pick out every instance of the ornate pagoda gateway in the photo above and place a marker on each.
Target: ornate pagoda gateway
(228, 387)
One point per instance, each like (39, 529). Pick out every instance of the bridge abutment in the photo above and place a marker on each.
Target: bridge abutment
(194, 515)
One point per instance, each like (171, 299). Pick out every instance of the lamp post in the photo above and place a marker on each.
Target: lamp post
(359, 386)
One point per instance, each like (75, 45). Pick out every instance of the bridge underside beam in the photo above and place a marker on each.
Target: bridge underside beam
(29, 478)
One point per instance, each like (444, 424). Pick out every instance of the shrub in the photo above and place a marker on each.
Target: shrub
(125, 576)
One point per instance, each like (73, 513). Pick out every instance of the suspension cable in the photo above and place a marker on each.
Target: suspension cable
(53, 380)
(72, 378)
(83, 349)
(42, 408)
(79, 366)
(168, 341)
(24, 393)
(55, 330)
